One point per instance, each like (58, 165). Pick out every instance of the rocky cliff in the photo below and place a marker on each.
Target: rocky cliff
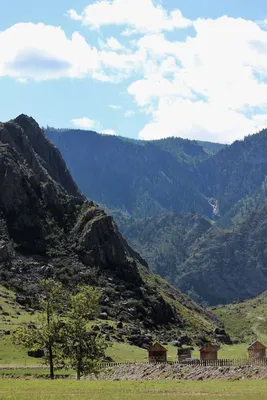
(48, 228)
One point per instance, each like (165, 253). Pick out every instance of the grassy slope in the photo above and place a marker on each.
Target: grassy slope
(10, 354)
(238, 318)
(246, 321)
(16, 356)
(192, 315)
(184, 390)
(120, 352)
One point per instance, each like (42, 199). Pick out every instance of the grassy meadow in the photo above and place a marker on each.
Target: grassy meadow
(12, 315)
(153, 390)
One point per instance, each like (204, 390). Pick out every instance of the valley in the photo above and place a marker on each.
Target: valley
(70, 238)
(196, 214)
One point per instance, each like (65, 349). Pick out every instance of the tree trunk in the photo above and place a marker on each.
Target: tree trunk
(78, 374)
(51, 363)
(79, 364)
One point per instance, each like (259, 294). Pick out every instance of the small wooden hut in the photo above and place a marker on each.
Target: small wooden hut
(157, 353)
(183, 353)
(256, 350)
(209, 352)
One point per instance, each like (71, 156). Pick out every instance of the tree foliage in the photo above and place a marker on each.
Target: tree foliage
(46, 333)
(83, 348)
(65, 340)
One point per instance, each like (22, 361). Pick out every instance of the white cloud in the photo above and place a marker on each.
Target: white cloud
(211, 86)
(198, 120)
(138, 15)
(113, 44)
(108, 132)
(40, 52)
(115, 106)
(91, 124)
(84, 123)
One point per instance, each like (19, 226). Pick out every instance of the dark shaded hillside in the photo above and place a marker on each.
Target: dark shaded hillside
(139, 178)
(211, 148)
(191, 151)
(184, 149)
(165, 241)
(49, 229)
(212, 265)
(235, 172)
(151, 183)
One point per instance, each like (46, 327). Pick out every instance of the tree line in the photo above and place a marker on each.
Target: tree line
(62, 331)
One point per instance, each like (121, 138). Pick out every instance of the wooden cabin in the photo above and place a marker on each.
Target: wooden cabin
(256, 350)
(183, 353)
(157, 353)
(209, 352)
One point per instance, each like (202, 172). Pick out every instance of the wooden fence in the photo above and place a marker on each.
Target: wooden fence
(203, 363)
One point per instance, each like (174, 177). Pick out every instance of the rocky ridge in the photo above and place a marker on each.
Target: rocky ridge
(49, 229)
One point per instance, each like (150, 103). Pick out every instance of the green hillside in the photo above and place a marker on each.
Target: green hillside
(246, 321)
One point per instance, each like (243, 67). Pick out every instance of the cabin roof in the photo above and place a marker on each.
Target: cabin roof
(210, 347)
(255, 343)
(156, 346)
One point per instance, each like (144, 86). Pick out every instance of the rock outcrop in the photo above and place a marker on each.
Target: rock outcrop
(49, 229)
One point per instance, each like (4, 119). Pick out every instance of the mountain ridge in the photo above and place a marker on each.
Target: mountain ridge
(49, 229)
(175, 178)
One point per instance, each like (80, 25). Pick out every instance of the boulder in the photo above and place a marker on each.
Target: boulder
(119, 325)
(95, 328)
(176, 343)
(36, 353)
(143, 341)
(184, 340)
(107, 327)
(103, 315)
(219, 331)
(225, 339)
(3, 251)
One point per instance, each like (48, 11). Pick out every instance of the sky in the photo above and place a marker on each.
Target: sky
(143, 69)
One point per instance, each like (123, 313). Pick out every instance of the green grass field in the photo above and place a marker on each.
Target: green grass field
(154, 390)
(11, 355)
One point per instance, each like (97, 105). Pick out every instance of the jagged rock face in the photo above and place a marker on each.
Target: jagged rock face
(46, 224)
(37, 202)
(49, 229)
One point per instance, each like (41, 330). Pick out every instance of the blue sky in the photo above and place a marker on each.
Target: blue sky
(139, 68)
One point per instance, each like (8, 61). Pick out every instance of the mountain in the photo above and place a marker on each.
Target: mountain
(214, 266)
(186, 150)
(165, 241)
(195, 211)
(49, 229)
(235, 173)
(137, 177)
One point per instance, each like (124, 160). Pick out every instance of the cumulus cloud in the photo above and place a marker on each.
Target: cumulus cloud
(39, 52)
(91, 124)
(140, 16)
(84, 123)
(210, 86)
(43, 52)
(110, 132)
